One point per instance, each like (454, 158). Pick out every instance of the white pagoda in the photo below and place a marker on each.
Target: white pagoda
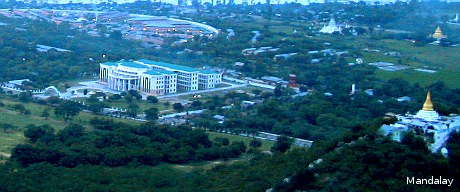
(331, 27)
(455, 20)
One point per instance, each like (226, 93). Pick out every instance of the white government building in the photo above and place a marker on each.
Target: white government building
(155, 78)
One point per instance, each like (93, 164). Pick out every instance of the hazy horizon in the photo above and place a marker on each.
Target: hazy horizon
(304, 2)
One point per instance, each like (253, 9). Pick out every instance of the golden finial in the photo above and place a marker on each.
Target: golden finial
(428, 106)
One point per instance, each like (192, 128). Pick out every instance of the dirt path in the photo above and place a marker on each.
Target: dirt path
(5, 154)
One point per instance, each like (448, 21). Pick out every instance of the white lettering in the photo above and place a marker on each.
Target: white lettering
(410, 181)
(430, 181)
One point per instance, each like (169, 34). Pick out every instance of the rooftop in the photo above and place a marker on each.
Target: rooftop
(110, 64)
(132, 64)
(156, 72)
(169, 65)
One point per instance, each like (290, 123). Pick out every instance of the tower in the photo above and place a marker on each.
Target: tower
(353, 89)
(455, 20)
(428, 105)
(292, 80)
(428, 113)
(438, 34)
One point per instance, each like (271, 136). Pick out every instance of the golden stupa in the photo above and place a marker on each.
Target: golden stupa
(428, 105)
(438, 34)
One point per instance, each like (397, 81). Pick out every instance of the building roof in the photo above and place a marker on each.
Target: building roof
(158, 72)
(169, 65)
(132, 64)
(387, 129)
(110, 64)
(207, 72)
(417, 123)
(160, 25)
(152, 72)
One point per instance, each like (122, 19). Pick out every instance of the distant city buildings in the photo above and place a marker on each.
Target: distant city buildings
(150, 30)
(427, 123)
(156, 78)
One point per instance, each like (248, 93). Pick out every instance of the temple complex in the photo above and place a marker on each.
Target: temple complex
(331, 27)
(435, 129)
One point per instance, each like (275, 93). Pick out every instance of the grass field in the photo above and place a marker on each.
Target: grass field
(266, 145)
(10, 138)
(444, 60)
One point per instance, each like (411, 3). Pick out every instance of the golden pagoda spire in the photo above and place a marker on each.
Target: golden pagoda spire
(428, 106)
(438, 33)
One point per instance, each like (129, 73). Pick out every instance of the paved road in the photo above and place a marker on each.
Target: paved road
(232, 86)
(105, 89)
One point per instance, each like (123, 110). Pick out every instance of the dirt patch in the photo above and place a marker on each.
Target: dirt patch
(7, 155)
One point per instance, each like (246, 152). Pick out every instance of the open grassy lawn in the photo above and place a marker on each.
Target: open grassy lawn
(450, 78)
(10, 138)
(444, 60)
(266, 145)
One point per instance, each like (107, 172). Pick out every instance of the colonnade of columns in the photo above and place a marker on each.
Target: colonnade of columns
(122, 84)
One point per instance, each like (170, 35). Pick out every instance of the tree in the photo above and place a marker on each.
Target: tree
(237, 148)
(196, 104)
(151, 114)
(67, 109)
(152, 99)
(134, 94)
(278, 91)
(222, 141)
(53, 100)
(34, 132)
(255, 143)
(6, 126)
(303, 88)
(97, 107)
(27, 112)
(133, 108)
(115, 97)
(26, 154)
(71, 131)
(178, 107)
(25, 97)
(85, 91)
(45, 113)
(282, 144)
(20, 108)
